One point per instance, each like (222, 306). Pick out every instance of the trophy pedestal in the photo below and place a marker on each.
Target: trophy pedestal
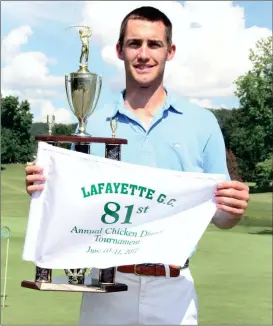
(60, 284)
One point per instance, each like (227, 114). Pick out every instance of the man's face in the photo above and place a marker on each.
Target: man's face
(145, 51)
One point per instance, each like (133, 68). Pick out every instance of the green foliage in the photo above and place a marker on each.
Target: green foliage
(264, 173)
(8, 144)
(39, 128)
(64, 129)
(17, 145)
(252, 124)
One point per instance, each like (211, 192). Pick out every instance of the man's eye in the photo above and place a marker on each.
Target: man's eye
(134, 44)
(154, 45)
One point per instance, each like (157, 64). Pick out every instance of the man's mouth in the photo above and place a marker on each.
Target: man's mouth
(143, 68)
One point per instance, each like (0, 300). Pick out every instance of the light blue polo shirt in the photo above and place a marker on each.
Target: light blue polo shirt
(182, 136)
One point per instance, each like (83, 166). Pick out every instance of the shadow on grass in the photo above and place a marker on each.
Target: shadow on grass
(3, 168)
(263, 232)
(260, 226)
(257, 222)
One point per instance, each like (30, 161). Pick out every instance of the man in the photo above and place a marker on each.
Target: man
(162, 131)
(85, 33)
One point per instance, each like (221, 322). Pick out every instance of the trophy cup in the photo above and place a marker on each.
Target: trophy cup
(83, 91)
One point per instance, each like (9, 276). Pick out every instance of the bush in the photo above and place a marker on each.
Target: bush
(264, 173)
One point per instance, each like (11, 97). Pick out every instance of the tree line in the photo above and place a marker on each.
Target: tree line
(247, 130)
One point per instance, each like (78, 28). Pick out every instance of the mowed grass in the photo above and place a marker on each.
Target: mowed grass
(232, 269)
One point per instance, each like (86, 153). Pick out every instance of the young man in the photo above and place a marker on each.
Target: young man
(162, 131)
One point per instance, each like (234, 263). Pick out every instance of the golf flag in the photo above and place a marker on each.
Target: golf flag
(97, 212)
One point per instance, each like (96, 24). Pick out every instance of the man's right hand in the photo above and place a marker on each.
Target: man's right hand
(34, 173)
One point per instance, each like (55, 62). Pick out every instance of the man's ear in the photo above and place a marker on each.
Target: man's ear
(171, 52)
(119, 51)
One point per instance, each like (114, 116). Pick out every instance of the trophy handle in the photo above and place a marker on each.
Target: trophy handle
(98, 93)
(67, 92)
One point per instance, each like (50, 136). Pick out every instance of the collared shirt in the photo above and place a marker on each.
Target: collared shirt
(182, 136)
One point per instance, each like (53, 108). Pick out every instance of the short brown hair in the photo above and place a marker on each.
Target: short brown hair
(146, 13)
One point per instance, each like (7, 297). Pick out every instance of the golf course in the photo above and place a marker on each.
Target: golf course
(232, 269)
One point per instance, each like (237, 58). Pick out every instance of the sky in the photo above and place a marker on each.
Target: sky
(213, 40)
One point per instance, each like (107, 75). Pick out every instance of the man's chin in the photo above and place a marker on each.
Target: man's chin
(144, 83)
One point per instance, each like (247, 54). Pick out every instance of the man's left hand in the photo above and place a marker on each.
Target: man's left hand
(232, 197)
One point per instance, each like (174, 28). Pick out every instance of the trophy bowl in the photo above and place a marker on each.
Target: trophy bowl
(83, 95)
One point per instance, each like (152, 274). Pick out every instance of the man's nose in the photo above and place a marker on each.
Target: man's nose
(143, 53)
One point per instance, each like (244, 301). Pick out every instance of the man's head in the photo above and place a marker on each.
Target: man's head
(145, 44)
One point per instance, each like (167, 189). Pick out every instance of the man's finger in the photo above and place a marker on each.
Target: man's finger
(233, 184)
(231, 202)
(231, 210)
(232, 193)
(34, 177)
(33, 169)
(31, 189)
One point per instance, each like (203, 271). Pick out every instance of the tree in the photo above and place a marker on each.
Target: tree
(232, 165)
(39, 128)
(64, 129)
(8, 146)
(16, 142)
(264, 173)
(252, 123)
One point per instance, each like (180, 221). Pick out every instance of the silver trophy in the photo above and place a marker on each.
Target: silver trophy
(83, 91)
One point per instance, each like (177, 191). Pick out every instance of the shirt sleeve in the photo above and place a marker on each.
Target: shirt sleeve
(214, 153)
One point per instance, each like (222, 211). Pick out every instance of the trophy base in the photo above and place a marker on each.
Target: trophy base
(60, 284)
(81, 134)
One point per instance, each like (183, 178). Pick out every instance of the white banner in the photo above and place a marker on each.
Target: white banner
(97, 212)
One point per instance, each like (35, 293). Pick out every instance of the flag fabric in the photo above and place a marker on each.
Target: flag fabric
(96, 212)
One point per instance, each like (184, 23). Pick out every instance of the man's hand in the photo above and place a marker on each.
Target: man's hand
(34, 173)
(231, 199)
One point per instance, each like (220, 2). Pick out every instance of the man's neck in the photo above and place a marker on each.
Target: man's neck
(145, 98)
(144, 102)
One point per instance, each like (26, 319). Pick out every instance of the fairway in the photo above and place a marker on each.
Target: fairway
(232, 269)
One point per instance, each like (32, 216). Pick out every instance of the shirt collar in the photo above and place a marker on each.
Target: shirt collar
(171, 102)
